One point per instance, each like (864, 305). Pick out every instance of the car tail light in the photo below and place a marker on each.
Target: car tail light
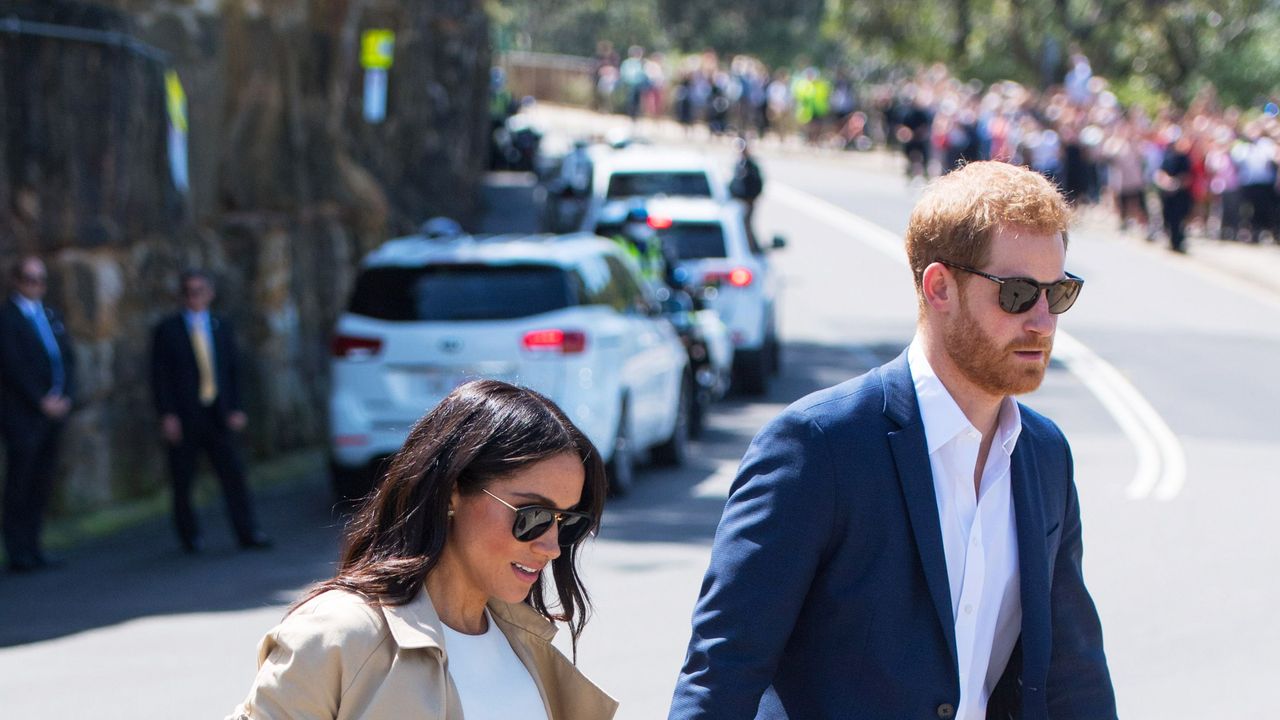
(737, 277)
(659, 223)
(556, 340)
(354, 346)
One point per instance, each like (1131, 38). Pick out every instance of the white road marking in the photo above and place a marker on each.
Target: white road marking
(1162, 463)
(719, 482)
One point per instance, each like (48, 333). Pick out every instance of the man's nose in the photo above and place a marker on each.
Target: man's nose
(1039, 320)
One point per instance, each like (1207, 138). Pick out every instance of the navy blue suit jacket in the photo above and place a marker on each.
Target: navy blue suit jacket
(827, 593)
(175, 376)
(26, 373)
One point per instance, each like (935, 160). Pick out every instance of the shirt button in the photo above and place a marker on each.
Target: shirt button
(968, 609)
(946, 711)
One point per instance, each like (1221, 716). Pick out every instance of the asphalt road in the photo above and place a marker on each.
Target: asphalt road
(1180, 566)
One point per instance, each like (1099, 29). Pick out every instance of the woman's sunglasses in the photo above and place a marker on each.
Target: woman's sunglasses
(533, 521)
(1019, 294)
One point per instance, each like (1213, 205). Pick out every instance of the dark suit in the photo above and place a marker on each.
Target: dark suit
(827, 595)
(175, 383)
(31, 437)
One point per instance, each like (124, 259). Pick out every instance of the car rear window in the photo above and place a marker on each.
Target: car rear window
(692, 241)
(460, 292)
(644, 184)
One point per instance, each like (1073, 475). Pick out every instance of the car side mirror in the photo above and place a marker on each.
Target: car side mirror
(779, 242)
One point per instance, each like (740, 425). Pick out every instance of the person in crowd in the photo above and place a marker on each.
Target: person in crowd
(1256, 158)
(1173, 180)
(195, 382)
(603, 65)
(908, 543)
(634, 81)
(747, 182)
(1127, 178)
(439, 607)
(914, 133)
(682, 102)
(1224, 183)
(37, 384)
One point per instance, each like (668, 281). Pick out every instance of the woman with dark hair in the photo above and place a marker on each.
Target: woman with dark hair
(438, 606)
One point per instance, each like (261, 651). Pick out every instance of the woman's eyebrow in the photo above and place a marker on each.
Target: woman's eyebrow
(538, 499)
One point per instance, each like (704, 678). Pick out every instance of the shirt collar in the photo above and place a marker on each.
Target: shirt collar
(195, 318)
(942, 417)
(26, 304)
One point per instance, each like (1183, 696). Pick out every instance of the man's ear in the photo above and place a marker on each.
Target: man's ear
(938, 284)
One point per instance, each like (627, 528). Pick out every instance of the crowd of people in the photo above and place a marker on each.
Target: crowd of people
(1205, 168)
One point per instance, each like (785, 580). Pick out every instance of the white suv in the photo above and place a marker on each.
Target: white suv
(713, 246)
(564, 315)
(645, 171)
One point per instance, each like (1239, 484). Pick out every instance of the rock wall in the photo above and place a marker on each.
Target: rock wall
(289, 187)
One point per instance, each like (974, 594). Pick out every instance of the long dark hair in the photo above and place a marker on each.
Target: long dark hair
(481, 432)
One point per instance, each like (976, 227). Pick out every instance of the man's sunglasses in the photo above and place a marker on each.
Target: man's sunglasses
(1020, 294)
(533, 521)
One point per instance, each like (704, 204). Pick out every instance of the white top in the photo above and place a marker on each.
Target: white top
(492, 683)
(979, 534)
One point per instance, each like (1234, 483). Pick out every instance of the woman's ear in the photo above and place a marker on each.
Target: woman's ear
(938, 284)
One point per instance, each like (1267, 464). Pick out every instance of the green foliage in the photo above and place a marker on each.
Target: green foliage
(1140, 91)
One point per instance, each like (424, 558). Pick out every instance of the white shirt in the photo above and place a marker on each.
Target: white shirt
(492, 683)
(979, 534)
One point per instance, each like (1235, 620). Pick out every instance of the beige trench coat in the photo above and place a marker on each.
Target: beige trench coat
(339, 658)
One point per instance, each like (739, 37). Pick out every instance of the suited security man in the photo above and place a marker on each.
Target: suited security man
(907, 544)
(37, 379)
(195, 379)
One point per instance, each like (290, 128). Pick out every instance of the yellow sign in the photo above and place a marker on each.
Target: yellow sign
(175, 100)
(377, 49)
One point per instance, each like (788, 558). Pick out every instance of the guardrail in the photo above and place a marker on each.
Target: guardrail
(564, 79)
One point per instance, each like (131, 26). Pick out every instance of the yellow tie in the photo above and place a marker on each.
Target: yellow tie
(208, 384)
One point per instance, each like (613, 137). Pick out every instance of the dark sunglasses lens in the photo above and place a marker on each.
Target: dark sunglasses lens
(531, 523)
(573, 528)
(1018, 295)
(1063, 294)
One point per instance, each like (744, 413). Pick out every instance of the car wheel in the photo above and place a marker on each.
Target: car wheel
(621, 469)
(673, 452)
(749, 371)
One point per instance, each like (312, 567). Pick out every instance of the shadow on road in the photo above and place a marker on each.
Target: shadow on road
(664, 508)
(140, 572)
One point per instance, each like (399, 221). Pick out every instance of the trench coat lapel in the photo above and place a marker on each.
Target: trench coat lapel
(566, 692)
(417, 625)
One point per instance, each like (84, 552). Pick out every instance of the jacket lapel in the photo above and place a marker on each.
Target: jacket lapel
(1033, 564)
(417, 625)
(911, 456)
(566, 692)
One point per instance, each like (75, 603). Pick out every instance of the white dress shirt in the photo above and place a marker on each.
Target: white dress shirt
(979, 535)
